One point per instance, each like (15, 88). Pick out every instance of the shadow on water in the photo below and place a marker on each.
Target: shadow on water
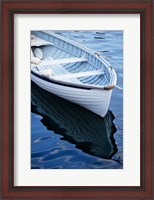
(88, 131)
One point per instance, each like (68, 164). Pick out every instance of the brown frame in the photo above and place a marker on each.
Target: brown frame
(11, 7)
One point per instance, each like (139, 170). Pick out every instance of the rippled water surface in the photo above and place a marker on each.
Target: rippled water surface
(67, 136)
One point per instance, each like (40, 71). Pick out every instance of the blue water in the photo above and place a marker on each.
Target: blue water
(67, 136)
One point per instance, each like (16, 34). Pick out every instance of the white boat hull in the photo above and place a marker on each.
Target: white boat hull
(95, 100)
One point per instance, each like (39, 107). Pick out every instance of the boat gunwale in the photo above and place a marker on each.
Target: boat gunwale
(76, 44)
(74, 85)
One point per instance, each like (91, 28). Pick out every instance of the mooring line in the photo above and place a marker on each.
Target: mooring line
(118, 87)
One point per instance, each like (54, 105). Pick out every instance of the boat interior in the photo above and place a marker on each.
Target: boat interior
(68, 62)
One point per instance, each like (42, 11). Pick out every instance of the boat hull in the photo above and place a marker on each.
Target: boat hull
(95, 100)
(76, 125)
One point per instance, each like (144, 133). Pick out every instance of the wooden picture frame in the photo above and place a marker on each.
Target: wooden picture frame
(9, 9)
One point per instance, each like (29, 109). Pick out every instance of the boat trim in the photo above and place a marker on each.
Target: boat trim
(69, 84)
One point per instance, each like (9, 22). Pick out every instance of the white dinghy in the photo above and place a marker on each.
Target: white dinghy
(71, 71)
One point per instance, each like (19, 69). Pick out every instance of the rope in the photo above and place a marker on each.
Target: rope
(118, 87)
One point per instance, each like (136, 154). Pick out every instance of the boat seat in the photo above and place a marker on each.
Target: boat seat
(79, 74)
(65, 60)
(37, 42)
(56, 71)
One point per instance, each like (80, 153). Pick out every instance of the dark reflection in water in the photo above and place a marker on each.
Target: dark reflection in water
(89, 132)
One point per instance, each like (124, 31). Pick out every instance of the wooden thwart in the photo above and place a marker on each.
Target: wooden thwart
(78, 74)
(64, 61)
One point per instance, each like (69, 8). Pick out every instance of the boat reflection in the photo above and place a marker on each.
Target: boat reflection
(88, 131)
